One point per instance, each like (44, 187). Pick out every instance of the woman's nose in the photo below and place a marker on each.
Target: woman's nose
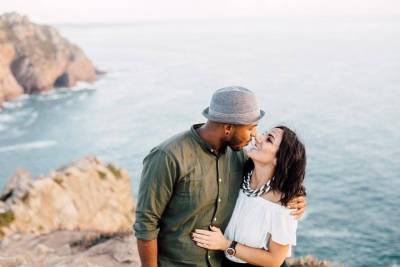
(259, 138)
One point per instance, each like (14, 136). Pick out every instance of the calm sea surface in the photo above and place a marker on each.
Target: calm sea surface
(336, 82)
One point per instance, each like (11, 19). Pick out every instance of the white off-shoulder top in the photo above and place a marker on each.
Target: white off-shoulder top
(256, 220)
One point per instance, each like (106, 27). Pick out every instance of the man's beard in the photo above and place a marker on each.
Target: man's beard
(234, 144)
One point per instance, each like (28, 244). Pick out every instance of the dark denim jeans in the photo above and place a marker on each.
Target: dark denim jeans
(228, 263)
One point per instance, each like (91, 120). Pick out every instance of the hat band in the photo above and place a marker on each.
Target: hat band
(252, 114)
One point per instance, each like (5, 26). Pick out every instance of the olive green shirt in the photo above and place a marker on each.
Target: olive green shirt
(184, 185)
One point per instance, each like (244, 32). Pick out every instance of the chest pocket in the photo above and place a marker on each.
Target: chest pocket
(197, 188)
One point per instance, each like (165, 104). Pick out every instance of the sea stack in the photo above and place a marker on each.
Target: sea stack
(36, 58)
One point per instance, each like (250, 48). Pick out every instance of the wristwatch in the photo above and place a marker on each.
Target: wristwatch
(231, 251)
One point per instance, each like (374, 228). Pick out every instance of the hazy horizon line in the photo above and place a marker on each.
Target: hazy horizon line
(218, 19)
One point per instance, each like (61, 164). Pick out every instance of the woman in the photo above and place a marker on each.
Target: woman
(261, 230)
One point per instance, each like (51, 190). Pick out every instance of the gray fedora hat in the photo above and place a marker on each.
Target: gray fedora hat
(235, 105)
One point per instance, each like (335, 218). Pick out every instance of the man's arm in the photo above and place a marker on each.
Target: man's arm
(299, 204)
(148, 252)
(155, 190)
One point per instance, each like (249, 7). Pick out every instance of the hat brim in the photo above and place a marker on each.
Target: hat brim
(240, 121)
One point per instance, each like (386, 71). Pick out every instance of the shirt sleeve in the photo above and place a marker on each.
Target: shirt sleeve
(156, 186)
(284, 227)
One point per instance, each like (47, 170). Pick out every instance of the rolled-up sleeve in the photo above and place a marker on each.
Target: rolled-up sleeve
(156, 186)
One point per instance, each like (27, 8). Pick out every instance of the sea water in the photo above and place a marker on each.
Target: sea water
(334, 81)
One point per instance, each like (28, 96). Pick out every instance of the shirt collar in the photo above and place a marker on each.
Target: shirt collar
(203, 143)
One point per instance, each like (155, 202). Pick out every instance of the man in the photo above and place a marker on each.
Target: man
(192, 180)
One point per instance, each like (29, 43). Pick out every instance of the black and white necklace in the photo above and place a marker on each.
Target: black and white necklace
(250, 192)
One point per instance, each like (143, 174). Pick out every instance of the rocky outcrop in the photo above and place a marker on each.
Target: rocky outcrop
(70, 248)
(87, 249)
(9, 87)
(86, 195)
(308, 261)
(36, 58)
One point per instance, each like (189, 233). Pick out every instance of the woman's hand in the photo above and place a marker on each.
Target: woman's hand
(212, 240)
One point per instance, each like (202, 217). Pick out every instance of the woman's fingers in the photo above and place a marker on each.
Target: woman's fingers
(201, 237)
(205, 244)
(201, 244)
(201, 240)
(207, 239)
(208, 244)
(204, 232)
(215, 229)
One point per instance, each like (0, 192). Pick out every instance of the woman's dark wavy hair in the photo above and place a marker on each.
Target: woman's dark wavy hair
(290, 167)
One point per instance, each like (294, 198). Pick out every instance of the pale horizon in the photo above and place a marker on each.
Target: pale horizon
(130, 11)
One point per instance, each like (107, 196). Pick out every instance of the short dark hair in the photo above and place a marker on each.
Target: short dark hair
(290, 167)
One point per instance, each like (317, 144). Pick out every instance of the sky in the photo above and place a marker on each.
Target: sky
(125, 11)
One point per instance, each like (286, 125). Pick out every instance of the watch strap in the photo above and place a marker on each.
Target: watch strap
(233, 244)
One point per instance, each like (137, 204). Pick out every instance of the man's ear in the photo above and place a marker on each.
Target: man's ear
(228, 129)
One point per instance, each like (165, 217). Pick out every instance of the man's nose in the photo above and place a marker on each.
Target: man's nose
(254, 132)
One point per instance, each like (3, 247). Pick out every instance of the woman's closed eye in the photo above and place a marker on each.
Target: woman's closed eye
(270, 139)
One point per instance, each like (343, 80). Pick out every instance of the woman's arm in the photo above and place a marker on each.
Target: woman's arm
(273, 257)
(215, 240)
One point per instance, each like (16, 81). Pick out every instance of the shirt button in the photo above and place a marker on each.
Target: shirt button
(215, 218)
(220, 180)
(219, 200)
(209, 256)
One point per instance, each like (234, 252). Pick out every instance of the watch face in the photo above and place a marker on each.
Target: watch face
(230, 251)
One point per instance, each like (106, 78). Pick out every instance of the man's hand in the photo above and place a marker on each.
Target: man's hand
(299, 205)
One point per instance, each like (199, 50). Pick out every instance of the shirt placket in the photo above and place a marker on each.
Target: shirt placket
(215, 221)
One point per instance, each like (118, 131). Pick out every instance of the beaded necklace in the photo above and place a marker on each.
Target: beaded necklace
(250, 192)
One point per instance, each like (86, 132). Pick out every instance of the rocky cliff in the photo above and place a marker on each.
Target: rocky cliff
(86, 195)
(36, 58)
(69, 249)
(79, 215)
(86, 249)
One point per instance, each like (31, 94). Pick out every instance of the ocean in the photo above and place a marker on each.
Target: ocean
(335, 81)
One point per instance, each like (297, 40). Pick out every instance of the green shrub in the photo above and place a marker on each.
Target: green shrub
(6, 218)
(115, 171)
(102, 174)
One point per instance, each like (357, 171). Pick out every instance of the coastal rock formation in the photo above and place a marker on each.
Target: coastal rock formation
(308, 261)
(86, 195)
(70, 248)
(36, 58)
(86, 249)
